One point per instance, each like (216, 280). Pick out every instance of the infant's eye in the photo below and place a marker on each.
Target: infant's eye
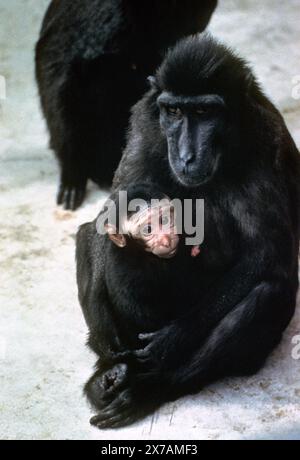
(147, 230)
(164, 220)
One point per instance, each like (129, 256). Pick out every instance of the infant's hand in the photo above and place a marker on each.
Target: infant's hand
(195, 251)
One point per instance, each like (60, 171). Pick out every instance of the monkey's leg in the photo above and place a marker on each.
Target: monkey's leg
(173, 345)
(104, 337)
(73, 137)
(73, 179)
(68, 115)
(238, 345)
(242, 341)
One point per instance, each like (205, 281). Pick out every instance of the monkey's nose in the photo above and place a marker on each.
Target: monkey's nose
(186, 159)
(165, 241)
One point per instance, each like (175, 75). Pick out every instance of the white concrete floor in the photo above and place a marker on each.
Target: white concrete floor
(43, 358)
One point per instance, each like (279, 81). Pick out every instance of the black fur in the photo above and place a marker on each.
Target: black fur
(246, 276)
(92, 61)
(139, 282)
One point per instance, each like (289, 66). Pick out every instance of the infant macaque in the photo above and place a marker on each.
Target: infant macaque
(147, 266)
(151, 227)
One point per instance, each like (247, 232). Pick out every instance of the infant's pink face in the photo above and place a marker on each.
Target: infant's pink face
(155, 228)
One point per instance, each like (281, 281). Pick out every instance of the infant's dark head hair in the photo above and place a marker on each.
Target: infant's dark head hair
(116, 208)
(144, 192)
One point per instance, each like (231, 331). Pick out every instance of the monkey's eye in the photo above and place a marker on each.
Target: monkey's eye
(147, 230)
(174, 112)
(164, 220)
(201, 111)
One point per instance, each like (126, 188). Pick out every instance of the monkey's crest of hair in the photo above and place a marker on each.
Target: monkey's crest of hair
(201, 65)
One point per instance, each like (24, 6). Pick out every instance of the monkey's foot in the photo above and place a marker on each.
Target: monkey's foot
(126, 407)
(71, 197)
(121, 399)
(113, 378)
(121, 410)
(104, 384)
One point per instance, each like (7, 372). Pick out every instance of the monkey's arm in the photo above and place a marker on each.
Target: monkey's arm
(175, 343)
(92, 291)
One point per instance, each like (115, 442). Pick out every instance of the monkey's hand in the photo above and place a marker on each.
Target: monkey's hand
(157, 353)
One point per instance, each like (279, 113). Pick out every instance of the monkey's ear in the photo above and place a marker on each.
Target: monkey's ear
(153, 82)
(118, 239)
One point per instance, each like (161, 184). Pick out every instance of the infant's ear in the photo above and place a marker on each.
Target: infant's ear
(118, 239)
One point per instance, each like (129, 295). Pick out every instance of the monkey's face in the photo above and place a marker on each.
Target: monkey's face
(194, 128)
(154, 229)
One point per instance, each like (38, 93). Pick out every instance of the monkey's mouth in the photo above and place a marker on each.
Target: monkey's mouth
(194, 179)
(193, 176)
(169, 255)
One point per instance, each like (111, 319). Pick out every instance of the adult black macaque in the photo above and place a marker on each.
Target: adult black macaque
(204, 130)
(92, 60)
